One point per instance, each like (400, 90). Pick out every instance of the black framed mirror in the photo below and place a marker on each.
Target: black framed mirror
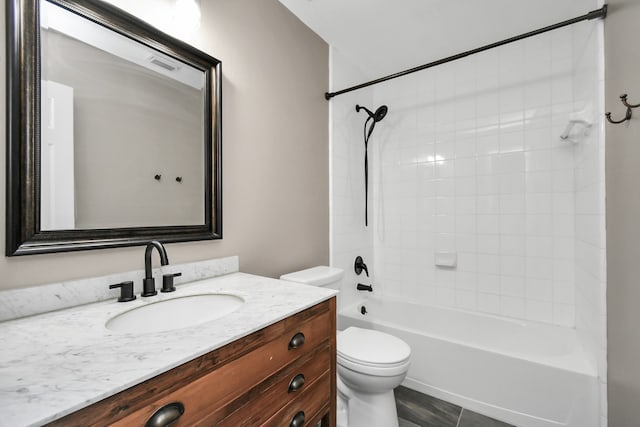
(113, 131)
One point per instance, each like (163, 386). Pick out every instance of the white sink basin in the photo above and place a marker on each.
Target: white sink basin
(175, 313)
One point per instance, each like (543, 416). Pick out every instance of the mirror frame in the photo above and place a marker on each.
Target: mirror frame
(23, 235)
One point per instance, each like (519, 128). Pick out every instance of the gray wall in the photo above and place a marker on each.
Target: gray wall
(275, 152)
(133, 125)
(622, 69)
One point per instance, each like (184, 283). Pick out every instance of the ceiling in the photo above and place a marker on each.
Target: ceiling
(387, 36)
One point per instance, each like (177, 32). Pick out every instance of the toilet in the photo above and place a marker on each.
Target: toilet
(370, 364)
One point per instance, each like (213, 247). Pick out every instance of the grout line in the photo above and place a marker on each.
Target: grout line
(460, 417)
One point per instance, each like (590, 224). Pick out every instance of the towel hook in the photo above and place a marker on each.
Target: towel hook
(615, 122)
(628, 114)
(623, 98)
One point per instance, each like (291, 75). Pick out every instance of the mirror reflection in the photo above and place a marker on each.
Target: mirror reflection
(122, 141)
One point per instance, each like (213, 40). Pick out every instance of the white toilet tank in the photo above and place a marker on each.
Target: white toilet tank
(317, 276)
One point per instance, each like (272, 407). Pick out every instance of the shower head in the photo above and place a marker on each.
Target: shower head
(378, 115)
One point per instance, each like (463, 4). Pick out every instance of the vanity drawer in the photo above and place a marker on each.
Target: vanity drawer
(232, 380)
(260, 403)
(307, 405)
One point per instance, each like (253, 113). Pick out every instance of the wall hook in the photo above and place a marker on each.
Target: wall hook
(157, 177)
(628, 114)
(615, 122)
(178, 179)
(623, 98)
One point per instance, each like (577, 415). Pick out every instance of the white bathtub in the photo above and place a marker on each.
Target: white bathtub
(524, 373)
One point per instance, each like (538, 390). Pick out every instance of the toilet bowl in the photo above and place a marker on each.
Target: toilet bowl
(370, 364)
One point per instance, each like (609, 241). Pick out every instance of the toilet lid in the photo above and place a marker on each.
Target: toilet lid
(371, 347)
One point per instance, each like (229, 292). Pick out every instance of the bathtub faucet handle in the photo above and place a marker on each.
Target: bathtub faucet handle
(362, 287)
(359, 265)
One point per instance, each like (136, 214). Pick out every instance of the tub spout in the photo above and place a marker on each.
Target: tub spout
(362, 287)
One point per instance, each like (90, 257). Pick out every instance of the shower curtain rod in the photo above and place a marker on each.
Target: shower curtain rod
(594, 14)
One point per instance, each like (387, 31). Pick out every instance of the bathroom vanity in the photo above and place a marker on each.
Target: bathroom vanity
(281, 375)
(270, 362)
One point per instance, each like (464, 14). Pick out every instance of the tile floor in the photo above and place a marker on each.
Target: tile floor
(420, 410)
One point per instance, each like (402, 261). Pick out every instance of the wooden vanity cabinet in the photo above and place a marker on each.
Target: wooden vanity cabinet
(277, 376)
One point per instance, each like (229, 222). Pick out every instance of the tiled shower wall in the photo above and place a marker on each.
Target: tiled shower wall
(469, 161)
(590, 239)
(349, 236)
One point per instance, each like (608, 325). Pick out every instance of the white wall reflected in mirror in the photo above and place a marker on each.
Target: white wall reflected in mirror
(122, 130)
(179, 18)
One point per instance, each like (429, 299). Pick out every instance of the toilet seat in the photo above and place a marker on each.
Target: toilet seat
(372, 352)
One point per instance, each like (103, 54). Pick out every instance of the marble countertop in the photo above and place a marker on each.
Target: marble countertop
(56, 363)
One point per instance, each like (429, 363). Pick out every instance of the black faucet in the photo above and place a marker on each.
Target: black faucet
(359, 265)
(149, 283)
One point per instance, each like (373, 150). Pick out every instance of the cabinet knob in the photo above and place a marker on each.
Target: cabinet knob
(297, 341)
(296, 383)
(166, 415)
(297, 420)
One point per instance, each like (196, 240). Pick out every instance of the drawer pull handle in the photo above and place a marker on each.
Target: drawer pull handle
(297, 341)
(166, 415)
(297, 420)
(296, 383)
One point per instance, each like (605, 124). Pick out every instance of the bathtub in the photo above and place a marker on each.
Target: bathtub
(524, 373)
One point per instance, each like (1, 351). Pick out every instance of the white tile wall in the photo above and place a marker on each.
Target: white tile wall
(349, 237)
(469, 160)
(590, 241)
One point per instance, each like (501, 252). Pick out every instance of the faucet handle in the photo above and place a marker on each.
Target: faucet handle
(126, 291)
(167, 282)
(359, 265)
